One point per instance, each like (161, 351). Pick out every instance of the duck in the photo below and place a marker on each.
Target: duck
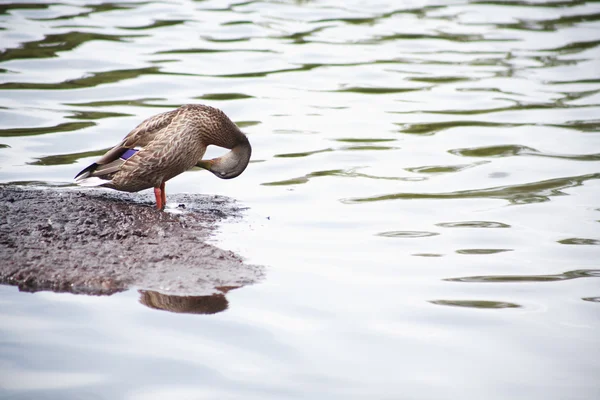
(166, 145)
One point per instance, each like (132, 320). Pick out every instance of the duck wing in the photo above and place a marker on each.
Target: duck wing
(135, 140)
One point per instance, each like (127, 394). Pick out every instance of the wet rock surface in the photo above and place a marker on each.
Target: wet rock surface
(102, 242)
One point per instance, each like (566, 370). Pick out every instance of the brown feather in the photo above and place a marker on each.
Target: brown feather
(171, 143)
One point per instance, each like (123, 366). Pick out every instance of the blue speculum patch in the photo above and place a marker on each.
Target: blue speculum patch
(128, 153)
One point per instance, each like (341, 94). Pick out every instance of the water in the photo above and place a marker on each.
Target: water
(423, 191)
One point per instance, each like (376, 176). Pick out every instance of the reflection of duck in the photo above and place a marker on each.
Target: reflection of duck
(167, 144)
(187, 304)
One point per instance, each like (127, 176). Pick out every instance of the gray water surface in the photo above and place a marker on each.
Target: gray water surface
(424, 192)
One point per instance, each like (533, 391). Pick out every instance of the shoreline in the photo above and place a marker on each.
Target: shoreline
(98, 242)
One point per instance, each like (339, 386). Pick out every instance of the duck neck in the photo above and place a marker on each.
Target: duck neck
(234, 162)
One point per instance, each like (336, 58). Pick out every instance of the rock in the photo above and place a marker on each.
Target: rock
(102, 242)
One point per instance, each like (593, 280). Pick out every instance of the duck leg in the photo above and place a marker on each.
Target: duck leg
(159, 196)
(163, 195)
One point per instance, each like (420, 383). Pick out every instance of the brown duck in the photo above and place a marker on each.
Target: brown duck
(167, 144)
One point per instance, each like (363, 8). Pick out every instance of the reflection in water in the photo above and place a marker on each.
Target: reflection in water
(407, 234)
(592, 299)
(224, 96)
(441, 169)
(51, 45)
(477, 104)
(302, 154)
(61, 159)
(64, 127)
(518, 150)
(211, 304)
(580, 241)
(435, 127)
(475, 303)
(535, 192)
(580, 273)
(473, 224)
(93, 80)
(482, 251)
(350, 173)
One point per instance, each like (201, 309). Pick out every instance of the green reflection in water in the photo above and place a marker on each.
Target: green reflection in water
(245, 124)
(261, 74)
(156, 24)
(50, 45)
(144, 102)
(440, 79)
(376, 90)
(64, 127)
(304, 179)
(96, 79)
(351, 173)
(435, 127)
(452, 37)
(94, 9)
(302, 154)
(61, 159)
(86, 115)
(293, 181)
(225, 40)
(300, 37)
(580, 241)
(575, 47)
(473, 224)
(241, 22)
(224, 96)
(493, 151)
(476, 303)
(534, 192)
(580, 273)
(204, 50)
(582, 126)
(440, 169)
(482, 251)
(407, 234)
(353, 148)
(364, 140)
(5, 8)
(352, 21)
(516, 150)
(518, 107)
(547, 25)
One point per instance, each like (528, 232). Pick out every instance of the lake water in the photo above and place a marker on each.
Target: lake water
(424, 193)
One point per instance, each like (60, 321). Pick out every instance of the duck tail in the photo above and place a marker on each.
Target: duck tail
(101, 173)
(86, 172)
(86, 178)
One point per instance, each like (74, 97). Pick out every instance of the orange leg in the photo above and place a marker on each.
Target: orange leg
(158, 195)
(163, 195)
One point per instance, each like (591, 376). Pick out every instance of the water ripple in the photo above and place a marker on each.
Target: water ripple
(473, 224)
(580, 273)
(407, 234)
(517, 150)
(533, 192)
(95, 79)
(62, 127)
(53, 44)
(485, 304)
(345, 103)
